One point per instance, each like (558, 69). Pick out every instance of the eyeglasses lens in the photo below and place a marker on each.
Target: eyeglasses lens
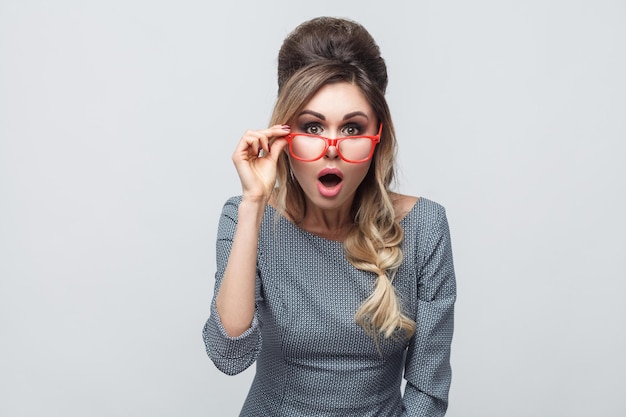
(311, 148)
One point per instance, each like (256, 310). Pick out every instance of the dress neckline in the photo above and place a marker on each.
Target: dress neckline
(292, 225)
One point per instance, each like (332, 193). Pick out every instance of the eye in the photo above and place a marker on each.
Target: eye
(352, 130)
(312, 128)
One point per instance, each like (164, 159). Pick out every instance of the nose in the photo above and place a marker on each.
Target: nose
(331, 151)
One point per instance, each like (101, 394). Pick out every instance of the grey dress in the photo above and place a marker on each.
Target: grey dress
(312, 359)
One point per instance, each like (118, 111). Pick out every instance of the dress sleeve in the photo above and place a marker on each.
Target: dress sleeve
(427, 368)
(230, 355)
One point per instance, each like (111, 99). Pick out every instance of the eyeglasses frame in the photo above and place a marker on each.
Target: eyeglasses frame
(335, 142)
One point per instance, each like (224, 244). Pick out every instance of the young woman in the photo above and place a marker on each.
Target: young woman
(333, 284)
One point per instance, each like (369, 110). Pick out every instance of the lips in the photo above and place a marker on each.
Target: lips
(329, 181)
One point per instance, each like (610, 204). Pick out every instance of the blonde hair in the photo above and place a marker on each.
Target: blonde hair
(328, 50)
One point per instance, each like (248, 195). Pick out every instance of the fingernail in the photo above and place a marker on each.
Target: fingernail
(285, 127)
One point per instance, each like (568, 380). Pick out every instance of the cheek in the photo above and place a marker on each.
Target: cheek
(302, 171)
(357, 173)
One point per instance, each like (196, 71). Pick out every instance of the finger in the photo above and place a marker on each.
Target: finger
(274, 132)
(268, 136)
(264, 143)
(263, 138)
(250, 143)
(253, 141)
(277, 147)
(278, 131)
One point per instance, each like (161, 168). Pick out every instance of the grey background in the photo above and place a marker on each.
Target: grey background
(117, 121)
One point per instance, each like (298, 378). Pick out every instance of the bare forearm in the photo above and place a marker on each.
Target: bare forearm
(235, 299)
(255, 160)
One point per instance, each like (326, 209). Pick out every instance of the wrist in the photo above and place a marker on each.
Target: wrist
(254, 199)
(252, 207)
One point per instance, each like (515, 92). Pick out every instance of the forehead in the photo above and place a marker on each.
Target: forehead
(335, 100)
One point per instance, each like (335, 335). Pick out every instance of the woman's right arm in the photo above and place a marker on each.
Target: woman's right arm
(235, 299)
(235, 295)
(227, 333)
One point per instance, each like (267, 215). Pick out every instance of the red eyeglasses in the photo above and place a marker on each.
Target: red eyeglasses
(307, 147)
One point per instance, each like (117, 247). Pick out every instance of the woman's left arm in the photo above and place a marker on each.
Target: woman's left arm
(427, 368)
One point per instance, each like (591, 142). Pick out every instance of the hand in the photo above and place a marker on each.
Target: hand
(257, 171)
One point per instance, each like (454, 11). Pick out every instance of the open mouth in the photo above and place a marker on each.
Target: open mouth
(330, 180)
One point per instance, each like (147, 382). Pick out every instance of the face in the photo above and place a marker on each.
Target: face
(336, 110)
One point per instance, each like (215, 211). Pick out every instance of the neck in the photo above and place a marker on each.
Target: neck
(334, 224)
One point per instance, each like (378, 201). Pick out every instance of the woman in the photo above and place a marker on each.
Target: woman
(332, 283)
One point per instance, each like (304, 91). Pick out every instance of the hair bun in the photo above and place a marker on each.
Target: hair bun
(339, 41)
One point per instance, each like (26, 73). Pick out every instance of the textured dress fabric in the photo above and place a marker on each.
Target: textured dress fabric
(312, 359)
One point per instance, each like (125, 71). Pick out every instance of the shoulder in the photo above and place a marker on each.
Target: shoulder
(403, 204)
(231, 207)
(229, 214)
(426, 231)
(421, 218)
(416, 207)
(420, 207)
(233, 201)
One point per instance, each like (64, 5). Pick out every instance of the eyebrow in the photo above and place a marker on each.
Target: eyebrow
(322, 117)
(355, 113)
